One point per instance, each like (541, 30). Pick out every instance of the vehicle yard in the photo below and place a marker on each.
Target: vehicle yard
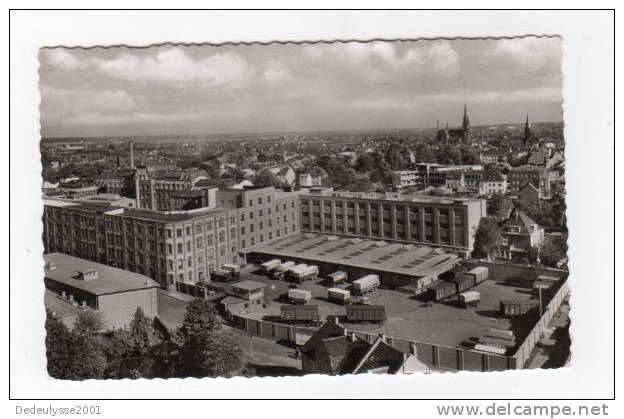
(408, 317)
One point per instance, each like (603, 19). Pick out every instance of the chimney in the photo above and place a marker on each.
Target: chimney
(50, 266)
(88, 275)
(382, 337)
(412, 349)
(131, 154)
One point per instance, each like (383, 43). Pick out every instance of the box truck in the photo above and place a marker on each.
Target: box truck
(306, 273)
(366, 284)
(469, 299)
(338, 295)
(337, 277)
(282, 269)
(306, 313)
(299, 296)
(366, 313)
(269, 266)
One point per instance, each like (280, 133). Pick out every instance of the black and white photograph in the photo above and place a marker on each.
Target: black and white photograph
(329, 208)
(305, 206)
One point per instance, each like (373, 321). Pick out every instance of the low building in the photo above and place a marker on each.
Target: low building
(314, 176)
(335, 350)
(520, 236)
(530, 194)
(402, 179)
(248, 290)
(285, 174)
(114, 293)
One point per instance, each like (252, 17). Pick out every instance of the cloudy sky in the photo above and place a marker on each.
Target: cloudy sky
(229, 89)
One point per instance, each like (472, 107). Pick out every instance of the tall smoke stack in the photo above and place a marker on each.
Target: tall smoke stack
(131, 155)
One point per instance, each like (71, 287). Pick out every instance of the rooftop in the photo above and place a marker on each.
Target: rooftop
(406, 259)
(395, 196)
(109, 281)
(248, 285)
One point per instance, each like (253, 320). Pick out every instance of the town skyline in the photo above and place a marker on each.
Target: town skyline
(205, 90)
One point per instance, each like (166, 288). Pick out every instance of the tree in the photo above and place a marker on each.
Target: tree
(499, 206)
(487, 238)
(88, 322)
(89, 361)
(58, 346)
(554, 250)
(200, 317)
(142, 334)
(266, 178)
(205, 349)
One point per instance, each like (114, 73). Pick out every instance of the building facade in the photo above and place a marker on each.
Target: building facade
(402, 179)
(170, 246)
(423, 220)
(519, 176)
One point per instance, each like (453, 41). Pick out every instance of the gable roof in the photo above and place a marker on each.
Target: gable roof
(519, 218)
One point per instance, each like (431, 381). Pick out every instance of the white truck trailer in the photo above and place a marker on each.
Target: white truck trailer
(469, 299)
(337, 277)
(299, 296)
(307, 273)
(281, 270)
(269, 266)
(339, 295)
(366, 284)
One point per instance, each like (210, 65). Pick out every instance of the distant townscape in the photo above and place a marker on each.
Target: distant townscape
(288, 253)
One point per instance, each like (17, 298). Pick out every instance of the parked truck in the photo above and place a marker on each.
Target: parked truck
(299, 296)
(221, 275)
(469, 299)
(303, 314)
(337, 277)
(306, 273)
(234, 269)
(366, 284)
(480, 273)
(339, 295)
(463, 282)
(366, 313)
(439, 290)
(282, 269)
(269, 266)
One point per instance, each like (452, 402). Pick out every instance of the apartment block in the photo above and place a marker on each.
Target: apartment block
(425, 220)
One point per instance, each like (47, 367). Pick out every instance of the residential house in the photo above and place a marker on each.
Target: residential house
(520, 235)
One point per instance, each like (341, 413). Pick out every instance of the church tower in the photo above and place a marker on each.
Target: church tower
(527, 130)
(466, 125)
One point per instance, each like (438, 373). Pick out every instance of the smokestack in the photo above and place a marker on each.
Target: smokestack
(131, 155)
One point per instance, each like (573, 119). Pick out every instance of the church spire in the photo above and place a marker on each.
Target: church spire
(466, 124)
(527, 129)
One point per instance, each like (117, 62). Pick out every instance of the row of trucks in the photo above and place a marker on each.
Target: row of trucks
(289, 270)
(360, 287)
(459, 285)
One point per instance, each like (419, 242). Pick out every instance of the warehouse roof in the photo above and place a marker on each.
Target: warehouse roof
(249, 285)
(66, 270)
(380, 256)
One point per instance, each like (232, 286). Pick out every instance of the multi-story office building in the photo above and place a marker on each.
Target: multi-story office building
(170, 246)
(425, 220)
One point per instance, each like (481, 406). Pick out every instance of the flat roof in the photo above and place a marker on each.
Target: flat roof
(393, 196)
(144, 214)
(405, 259)
(248, 285)
(110, 280)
